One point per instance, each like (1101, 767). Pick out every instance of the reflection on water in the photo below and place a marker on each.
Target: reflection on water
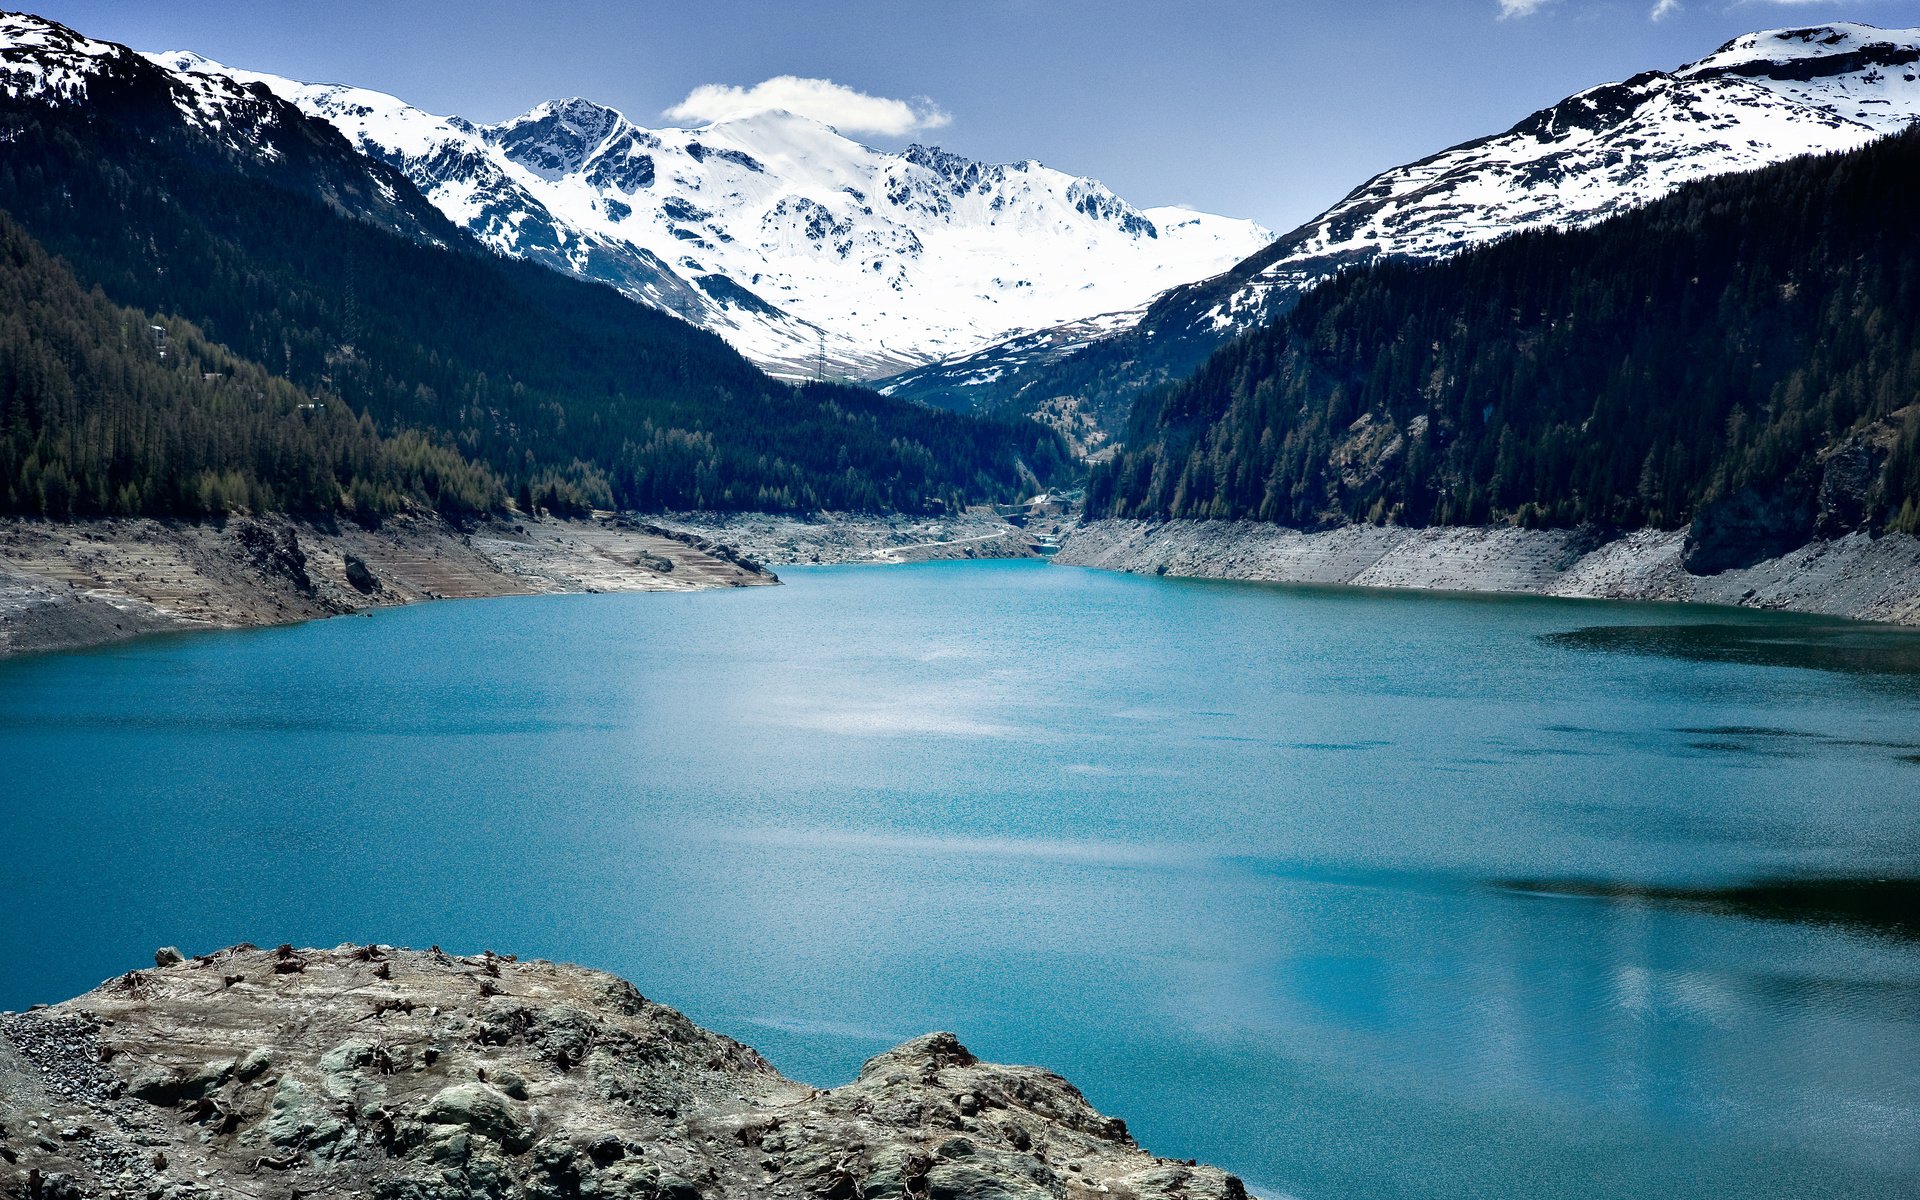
(1814, 644)
(1887, 905)
(1220, 853)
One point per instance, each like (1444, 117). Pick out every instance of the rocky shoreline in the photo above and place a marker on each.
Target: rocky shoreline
(1856, 576)
(67, 585)
(847, 538)
(409, 1075)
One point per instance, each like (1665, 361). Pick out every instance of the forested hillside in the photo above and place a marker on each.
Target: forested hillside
(106, 410)
(566, 390)
(1745, 351)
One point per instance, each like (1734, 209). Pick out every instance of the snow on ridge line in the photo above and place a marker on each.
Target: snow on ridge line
(1761, 98)
(1619, 145)
(777, 232)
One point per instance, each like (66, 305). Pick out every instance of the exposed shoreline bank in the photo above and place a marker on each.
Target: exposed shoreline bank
(1857, 577)
(841, 539)
(69, 585)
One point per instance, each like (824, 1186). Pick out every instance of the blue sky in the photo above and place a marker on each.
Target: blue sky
(1267, 110)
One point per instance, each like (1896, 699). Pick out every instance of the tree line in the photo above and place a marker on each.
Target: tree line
(569, 394)
(106, 410)
(1714, 344)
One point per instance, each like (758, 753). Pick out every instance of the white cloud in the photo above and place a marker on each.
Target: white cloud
(835, 104)
(1521, 8)
(1664, 9)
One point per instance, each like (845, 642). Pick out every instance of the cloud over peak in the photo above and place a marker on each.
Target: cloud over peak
(835, 104)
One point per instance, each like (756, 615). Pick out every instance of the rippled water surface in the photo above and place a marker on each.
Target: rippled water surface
(1357, 894)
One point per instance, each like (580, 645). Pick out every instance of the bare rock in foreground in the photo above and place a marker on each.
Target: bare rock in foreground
(405, 1075)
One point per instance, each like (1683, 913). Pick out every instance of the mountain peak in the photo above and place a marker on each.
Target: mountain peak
(774, 230)
(20, 29)
(1759, 99)
(768, 118)
(777, 134)
(557, 137)
(575, 112)
(45, 58)
(1807, 41)
(187, 60)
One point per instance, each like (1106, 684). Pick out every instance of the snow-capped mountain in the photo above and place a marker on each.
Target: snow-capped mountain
(45, 63)
(1759, 99)
(789, 240)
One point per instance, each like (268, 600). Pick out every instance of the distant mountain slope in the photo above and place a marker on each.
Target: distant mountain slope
(1743, 355)
(776, 232)
(104, 410)
(1759, 99)
(193, 195)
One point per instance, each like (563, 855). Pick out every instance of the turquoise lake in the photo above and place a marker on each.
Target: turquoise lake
(1357, 894)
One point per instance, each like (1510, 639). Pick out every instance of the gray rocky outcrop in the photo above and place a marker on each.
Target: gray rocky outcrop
(275, 550)
(403, 1075)
(359, 576)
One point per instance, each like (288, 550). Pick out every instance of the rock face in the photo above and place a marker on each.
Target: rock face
(359, 576)
(275, 550)
(403, 1075)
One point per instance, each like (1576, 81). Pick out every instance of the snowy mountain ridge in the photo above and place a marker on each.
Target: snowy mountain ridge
(792, 242)
(45, 63)
(1757, 100)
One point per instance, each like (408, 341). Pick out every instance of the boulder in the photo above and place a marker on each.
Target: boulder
(928, 1052)
(509, 1081)
(483, 1110)
(297, 1117)
(275, 551)
(166, 1087)
(253, 1064)
(968, 1181)
(360, 576)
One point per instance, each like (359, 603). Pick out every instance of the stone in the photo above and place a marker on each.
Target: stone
(275, 551)
(969, 1181)
(485, 1111)
(361, 577)
(168, 956)
(895, 1172)
(253, 1065)
(298, 1117)
(1748, 527)
(167, 1087)
(510, 1082)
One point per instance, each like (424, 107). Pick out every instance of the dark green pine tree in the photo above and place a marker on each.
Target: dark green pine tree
(1712, 346)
